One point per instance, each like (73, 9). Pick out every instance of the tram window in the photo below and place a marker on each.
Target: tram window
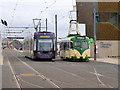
(84, 45)
(67, 45)
(45, 45)
(35, 45)
(61, 46)
(77, 43)
(70, 45)
(64, 45)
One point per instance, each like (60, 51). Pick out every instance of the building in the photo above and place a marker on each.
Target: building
(12, 43)
(15, 44)
(107, 25)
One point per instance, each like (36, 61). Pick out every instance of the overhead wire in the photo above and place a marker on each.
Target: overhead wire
(7, 29)
(14, 10)
(46, 8)
(59, 19)
(70, 17)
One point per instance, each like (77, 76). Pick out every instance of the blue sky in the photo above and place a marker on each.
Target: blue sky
(19, 13)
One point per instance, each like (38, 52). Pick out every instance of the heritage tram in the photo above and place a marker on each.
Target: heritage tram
(40, 46)
(74, 46)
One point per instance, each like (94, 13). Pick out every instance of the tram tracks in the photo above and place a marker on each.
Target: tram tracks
(108, 86)
(65, 72)
(96, 73)
(80, 77)
(76, 64)
(17, 78)
(38, 73)
(14, 75)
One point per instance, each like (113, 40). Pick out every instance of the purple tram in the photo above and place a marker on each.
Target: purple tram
(40, 46)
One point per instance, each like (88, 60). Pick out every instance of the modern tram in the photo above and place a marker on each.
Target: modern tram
(40, 46)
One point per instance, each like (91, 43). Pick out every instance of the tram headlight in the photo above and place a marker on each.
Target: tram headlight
(39, 52)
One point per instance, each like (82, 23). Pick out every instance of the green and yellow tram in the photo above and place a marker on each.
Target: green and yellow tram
(75, 47)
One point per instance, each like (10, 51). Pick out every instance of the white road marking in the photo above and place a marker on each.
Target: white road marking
(110, 86)
(42, 76)
(97, 74)
(73, 74)
(87, 72)
(30, 83)
(18, 85)
(20, 78)
(99, 78)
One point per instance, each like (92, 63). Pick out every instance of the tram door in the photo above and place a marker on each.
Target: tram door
(67, 51)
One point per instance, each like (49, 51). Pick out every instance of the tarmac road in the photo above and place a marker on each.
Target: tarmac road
(21, 72)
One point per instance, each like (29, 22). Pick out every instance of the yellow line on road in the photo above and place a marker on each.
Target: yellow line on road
(28, 74)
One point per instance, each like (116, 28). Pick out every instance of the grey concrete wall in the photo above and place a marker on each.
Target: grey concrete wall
(106, 48)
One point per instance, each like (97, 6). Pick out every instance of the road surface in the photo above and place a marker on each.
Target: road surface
(21, 72)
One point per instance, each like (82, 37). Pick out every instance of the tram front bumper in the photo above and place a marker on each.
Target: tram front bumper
(45, 56)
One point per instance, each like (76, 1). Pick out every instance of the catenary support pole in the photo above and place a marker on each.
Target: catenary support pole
(46, 25)
(94, 31)
(56, 31)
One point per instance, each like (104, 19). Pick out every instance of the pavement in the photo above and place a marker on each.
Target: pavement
(0, 77)
(21, 72)
(107, 60)
(1, 60)
(104, 60)
(1, 57)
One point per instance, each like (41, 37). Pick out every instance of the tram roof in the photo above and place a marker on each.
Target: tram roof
(69, 37)
(44, 32)
(66, 39)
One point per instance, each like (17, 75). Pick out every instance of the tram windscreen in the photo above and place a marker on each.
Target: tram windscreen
(45, 44)
(84, 45)
(77, 44)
